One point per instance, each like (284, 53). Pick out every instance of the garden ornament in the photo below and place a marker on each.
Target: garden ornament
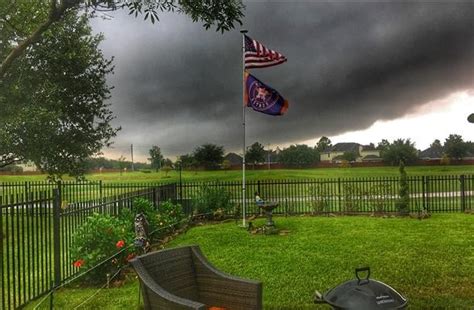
(141, 232)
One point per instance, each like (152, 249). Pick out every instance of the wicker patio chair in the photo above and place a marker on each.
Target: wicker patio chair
(182, 278)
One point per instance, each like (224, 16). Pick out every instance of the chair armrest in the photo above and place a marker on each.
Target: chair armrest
(221, 289)
(156, 297)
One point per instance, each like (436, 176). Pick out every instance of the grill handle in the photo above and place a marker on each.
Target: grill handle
(318, 298)
(362, 281)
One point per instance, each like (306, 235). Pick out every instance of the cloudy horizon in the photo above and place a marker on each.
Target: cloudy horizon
(357, 71)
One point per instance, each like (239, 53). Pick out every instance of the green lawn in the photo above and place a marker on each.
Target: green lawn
(235, 175)
(431, 261)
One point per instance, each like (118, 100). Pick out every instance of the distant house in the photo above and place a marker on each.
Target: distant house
(234, 159)
(28, 166)
(431, 153)
(364, 153)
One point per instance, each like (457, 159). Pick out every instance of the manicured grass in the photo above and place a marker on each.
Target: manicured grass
(431, 261)
(236, 175)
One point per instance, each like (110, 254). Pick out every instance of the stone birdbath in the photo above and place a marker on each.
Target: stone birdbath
(268, 208)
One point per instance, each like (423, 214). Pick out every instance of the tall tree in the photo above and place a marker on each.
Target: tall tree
(299, 155)
(156, 158)
(455, 147)
(26, 21)
(400, 150)
(187, 161)
(323, 144)
(54, 109)
(209, 156)
(255, 154)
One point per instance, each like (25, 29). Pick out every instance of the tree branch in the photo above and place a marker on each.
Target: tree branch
(55, 14)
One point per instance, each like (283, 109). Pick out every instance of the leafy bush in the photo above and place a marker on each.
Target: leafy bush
(319, 198)
(212, 199)
(95, 241)
(403, 202)
(379, 196)
(352, 198)
(169, 214)
(141, 205)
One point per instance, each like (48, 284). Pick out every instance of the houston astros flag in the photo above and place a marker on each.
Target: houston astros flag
(262, 98)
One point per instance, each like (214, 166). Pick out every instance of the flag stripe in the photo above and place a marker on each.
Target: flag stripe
(258, 56)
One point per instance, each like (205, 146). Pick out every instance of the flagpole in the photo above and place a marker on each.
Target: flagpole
(243, 31)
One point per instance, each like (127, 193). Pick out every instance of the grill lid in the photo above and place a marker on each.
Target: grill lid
(364, 294)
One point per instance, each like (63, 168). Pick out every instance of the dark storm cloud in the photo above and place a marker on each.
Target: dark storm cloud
(349, 64)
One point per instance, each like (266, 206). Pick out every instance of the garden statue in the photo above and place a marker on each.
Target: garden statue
(141, 232)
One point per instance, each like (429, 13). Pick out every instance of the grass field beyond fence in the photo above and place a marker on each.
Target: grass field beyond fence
(235, 175)
(431, 262)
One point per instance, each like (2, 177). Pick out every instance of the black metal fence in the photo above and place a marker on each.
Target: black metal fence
(38, 219)
(346, 195)
(37, 228)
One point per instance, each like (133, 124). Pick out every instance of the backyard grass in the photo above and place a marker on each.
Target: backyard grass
(236, 175)
(430, 261)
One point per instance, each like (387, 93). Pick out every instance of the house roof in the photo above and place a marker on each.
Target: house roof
(233, 158)
(368, 148)
(371, 157)
(431, 153)
(344, 147)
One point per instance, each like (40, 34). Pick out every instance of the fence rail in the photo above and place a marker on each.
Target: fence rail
(38, 219)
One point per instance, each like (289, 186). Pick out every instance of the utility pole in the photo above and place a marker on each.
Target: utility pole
(131, 153)
(268, 156)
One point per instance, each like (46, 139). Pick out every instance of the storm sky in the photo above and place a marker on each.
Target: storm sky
(350, 65)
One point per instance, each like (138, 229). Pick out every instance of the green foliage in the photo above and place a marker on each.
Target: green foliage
(141, 205)
(209, 156)
(54, 103)
(255, 154)
(96, 241)
(403, 202)
(455, 147)
(323, 144)
(379, 195)
(320, 197)
(167, 218)
(299, 155)
(226, 164)
(349, 156)
(26, 21)
(166, 169)
(399, 150)
(352, 198)
(156, 158)
(212, 198)
(187, 161)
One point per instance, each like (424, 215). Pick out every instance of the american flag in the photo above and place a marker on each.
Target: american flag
(258, 56)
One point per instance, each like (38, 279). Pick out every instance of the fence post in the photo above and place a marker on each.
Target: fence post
(423, 186)
(463, 192)
(339, 194)
(56, 235)
(154, 197)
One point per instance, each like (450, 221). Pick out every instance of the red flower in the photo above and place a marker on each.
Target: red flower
(120, 244)
(78, 263)
(131, 256)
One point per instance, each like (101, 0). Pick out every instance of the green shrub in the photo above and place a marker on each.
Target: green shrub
(403, 202)
(95, 241)
(169, 214)
(212, 199)
(379, 195)
(319, 198)
(141, 205)
(352, 198)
